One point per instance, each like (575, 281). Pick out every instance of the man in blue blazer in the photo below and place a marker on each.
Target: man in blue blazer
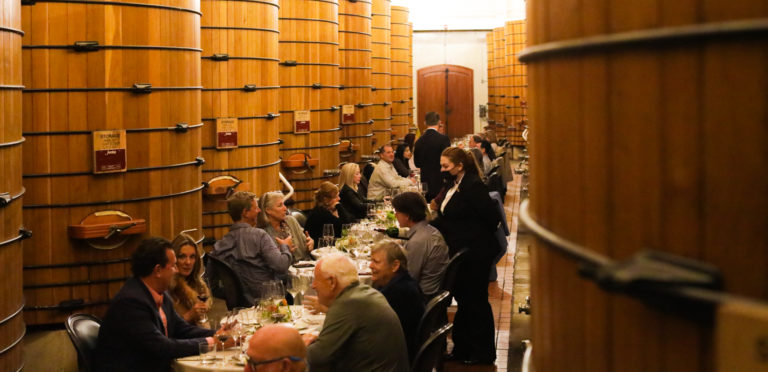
(142, 331)
(426, 154)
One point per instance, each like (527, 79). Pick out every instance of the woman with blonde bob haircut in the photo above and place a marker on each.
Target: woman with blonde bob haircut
(283, 227)
(352, 199)
(327, 211)
(188, 285)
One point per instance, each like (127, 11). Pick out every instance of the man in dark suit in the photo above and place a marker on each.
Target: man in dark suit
(142, 331)
(426, 154)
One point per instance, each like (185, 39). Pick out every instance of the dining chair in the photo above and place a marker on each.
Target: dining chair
(449, 277)
(224, 282)
(300, 216)
(430, 354)
(434, 316)
(83, 330)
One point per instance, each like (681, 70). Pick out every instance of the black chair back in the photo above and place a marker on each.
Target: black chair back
(224, 282)
(450, 271)
(430, 355)
(300, 217)
(83, 330)
(434, 315)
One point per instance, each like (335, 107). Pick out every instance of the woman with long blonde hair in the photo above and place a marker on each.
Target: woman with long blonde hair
(191, 296)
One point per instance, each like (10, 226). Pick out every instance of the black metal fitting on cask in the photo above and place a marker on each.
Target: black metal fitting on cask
(86, 46)
(317, 86)
(140, 88)
(334, 108)
(5, 199)
(341, 87)
(373, 89)
(271, 116)
(289, 63)
(250, 87)
(181, 128)
(199, 160)
(220, 57)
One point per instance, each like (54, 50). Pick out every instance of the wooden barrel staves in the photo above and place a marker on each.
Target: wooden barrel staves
(411, 109)
(240, 109)
(649, 132)
(112, 121)
(309, 95)
(490, 116)
(11, 191)
(499, 72)
(355, 72)
(400, 65)
(517, 103)
(382, 72)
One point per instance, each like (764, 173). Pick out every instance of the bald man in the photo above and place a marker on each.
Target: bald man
(276, 348)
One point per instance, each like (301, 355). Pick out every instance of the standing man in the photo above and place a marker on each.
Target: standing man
(426, 154)
(361, 332)
(385, 176)
(142, 331)
(250, 251)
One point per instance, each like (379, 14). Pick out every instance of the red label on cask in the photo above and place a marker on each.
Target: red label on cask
(301, 122)
(109, 151)
(348, 114)
(226, 133)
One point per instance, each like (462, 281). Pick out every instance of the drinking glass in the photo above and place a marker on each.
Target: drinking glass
(207, 353)
(424, 188)
(328, 230)
(345, 228)
(203, 297)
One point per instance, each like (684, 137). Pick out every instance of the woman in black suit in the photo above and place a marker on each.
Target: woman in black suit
(352, 198)
(327, 211)
(467, 218)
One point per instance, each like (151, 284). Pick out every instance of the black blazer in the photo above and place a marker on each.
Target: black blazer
(404, 297)
(320, 216)
(353, 202)
(401, 168)
(470, 219)
(426, 156)
(132, 337)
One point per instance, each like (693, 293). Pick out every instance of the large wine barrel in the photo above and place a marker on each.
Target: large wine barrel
(514, 32)
(382, 72)
(400, 66)
(490, 112)
(11, 191)
(411, 116)
(501, 89)
(132, 70)
(309, 81)
(355, 55)
(240, 89)
(649, 132)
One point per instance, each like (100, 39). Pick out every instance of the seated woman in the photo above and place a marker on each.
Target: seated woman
(402, 156)
(283, 227)
(488, 156)
(327, 211)
(352, 199)
(191, 296)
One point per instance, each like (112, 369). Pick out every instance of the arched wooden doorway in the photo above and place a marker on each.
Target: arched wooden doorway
(447, 90)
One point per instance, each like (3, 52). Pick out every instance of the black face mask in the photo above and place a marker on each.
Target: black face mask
(447, 176)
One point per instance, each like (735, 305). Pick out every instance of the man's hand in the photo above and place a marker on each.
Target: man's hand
(288, 242)
(310, 242)
(313, 305)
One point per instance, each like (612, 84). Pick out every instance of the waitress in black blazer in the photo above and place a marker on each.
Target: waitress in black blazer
(467, 218)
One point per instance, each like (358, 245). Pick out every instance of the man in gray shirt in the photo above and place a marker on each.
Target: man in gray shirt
(361, 332)
(426, 250)
(250, 251)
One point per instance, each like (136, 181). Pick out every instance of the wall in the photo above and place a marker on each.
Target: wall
(466, 48)
(462, 14)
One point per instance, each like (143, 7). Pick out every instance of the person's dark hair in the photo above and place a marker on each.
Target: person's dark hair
(400, 151)
(432, 118)
(477, 138)
(412, 204)
(381, 149)
(488, 149)
(458, 156)
(324, 194)
(410, 139)
(239, 202)
(150, 253)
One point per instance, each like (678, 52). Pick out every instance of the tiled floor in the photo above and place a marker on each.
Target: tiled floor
(500, 291)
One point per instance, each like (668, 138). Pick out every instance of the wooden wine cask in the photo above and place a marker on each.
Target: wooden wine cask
(499, 72)
(490, 112)
(400, 65)
(649, 131)
(309, 81)
(12, 328)
(132, 70)
(240, 90)
(519, 83)
(382, 72)
(356, 66)
(411, 116)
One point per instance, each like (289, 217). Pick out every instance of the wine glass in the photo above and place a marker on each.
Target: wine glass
(345, 228)
(328, 230)
(203, 297)
(424, 188)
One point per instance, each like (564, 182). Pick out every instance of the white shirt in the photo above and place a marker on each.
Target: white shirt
(450, 192)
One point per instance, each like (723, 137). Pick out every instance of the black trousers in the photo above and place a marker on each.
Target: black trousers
(473, 328)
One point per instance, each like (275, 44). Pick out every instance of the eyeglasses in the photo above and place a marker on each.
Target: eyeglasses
(253, 364)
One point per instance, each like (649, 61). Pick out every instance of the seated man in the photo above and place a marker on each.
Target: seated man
(142, 331)
(390, 276)
(276, 348)
(385, 176)
(251, 252)
(361, 332)
(426, 249)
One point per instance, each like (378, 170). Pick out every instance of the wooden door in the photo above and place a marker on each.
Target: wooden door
(447, 90)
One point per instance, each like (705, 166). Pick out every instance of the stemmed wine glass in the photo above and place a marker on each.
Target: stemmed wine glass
(203, 297)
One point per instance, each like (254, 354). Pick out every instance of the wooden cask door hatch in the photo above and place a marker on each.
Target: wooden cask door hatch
(447, 90)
